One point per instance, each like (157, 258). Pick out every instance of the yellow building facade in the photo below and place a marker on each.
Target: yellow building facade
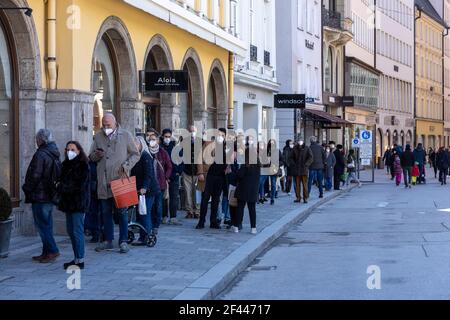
(73, 60)
(429, 80)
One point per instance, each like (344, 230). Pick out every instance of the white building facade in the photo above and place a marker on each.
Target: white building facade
(395, 42)
(299, 62)
(255, 77)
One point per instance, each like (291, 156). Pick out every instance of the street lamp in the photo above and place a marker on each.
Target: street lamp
(28, 11)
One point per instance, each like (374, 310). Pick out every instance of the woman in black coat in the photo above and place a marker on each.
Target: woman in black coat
(74, 191)
(248, 177)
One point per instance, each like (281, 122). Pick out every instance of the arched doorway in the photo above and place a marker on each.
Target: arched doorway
(217, 97)
(409, 138)
(192, 104)
(9, 110)
(160, 111)
(395, 139)
(114, 76)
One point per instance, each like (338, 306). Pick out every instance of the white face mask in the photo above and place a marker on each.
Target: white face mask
(332, 146)
(193, 134)
(301, 143)
(71, 155)
(251, 143)
(153, 143)
(108, 131)
(291, 146)
(328, 150)
(220, 139)
(167, 141)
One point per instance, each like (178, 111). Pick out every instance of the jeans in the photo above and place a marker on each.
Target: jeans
(352, 177)
(146, 221)
(225, 215)
(75, 226)
(170, 206)
(316, 175)
(107, 207)
(43, 220)
(273, 186)
(157, 210)
(213, 189)
(407, 175)
(328, 183)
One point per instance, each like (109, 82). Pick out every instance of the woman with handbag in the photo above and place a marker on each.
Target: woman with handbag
(147, 185)
(163, 168)
(74, 191)
(351, 168)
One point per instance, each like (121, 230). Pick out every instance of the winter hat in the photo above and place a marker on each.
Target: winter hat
(408, 147)
(165, 131)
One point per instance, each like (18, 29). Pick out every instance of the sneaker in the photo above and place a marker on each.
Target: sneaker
(235, 229)
(297, 201)
(321, 196)
(289, 194)
(360, 185)
(175, 222)
(50, 258)
(254, 231)
(164, 220)
(124, 247)
(104, 246)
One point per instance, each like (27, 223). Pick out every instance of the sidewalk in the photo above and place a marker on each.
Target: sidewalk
(186, 264)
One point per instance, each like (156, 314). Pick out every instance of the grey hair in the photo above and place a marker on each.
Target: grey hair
(313, 139)
(45, 136)
(143, 144)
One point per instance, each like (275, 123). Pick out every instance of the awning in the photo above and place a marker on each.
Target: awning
(327, 119)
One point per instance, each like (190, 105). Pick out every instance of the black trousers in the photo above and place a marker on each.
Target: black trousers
(443, 175)
(235, 217)
(213, 190)
(240, 213)
(288, 185)
(337, 181)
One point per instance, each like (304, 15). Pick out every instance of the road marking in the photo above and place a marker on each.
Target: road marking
(382, 204)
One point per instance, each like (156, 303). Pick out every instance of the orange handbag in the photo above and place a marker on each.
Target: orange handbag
(125, 192)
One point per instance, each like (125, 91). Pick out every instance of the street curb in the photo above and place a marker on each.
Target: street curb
(219, 277)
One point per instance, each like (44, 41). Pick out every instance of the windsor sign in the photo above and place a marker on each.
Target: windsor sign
(166, 81)
(290, 101)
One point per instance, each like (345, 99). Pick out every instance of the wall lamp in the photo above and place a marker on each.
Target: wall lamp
(28, 11)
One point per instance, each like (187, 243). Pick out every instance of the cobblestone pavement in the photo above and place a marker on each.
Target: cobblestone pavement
(181, 257)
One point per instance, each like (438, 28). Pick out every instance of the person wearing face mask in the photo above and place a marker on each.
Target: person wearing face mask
(74, 190)
(163, 167)
(339, 168)
(302, 157)
(116, 154)
(329, 168)
(170, 206)
(289, 165)
(190, 179)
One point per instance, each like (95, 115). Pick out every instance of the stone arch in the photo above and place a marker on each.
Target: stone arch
(159, 46)
(194, 101)
(130, 110)
(217, 80)
(409, 138)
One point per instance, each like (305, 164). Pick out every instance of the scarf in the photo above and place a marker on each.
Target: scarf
(154, 150)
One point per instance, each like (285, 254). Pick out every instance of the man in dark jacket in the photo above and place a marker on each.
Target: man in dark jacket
(190, 179)
(174, 182)
(302, 157)
(407, 162)
(289, 165)
(443, 163)
(40, 190)
(339, 168)
(420, 156)
(317, 166)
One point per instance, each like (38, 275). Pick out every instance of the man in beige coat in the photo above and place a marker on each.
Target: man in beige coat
(116, 154)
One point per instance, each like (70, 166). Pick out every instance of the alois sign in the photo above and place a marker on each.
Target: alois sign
(166, 81)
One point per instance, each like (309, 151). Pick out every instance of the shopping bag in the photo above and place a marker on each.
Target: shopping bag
(142, 205)
(124, 192)
(232, 200)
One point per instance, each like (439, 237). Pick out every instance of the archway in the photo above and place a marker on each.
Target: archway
(192, 104)
(387, 139)
(379, 142)
(114, 75)
(160, 111)
(409, 138)
(217, 97)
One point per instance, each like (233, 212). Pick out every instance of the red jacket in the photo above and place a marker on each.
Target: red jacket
(415, 171)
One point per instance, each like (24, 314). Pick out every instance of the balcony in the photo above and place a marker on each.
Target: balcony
(332, 19)
(336, 29)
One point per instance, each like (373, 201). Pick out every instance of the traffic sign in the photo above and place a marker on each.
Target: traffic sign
(366, 136)
(356, 143)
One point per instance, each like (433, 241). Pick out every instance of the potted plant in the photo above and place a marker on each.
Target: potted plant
(5, 222)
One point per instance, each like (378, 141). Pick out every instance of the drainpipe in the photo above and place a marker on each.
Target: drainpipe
(444, 34)
(415, 74)
(231, 91)
(51, 43)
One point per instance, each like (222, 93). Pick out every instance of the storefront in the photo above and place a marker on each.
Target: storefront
(430, 134)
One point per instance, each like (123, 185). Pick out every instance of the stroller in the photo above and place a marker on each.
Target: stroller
(135, 228)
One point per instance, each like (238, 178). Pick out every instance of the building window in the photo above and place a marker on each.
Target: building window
(328, 72)
(253, 53)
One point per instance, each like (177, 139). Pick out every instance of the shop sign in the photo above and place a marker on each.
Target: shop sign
(290, 101)
(169, 81)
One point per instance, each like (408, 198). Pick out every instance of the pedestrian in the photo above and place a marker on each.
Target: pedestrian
(147, 185)
(397, 168)
(231, 178)
(339, 168)
(163, 168)
(40, 191)
(316, 170)
(116, 154)
(420, 158)
(407, 163)
(246, 193)
(432, 156)
(190, 179)
(171, 204)
(391, 163)
(212, 179)
(443, 163)
(289, 165)
(302, 156)
(230, 151)
(93, 220)
(351, 169)
(329, 168)
(387, 159)
(74, 191)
